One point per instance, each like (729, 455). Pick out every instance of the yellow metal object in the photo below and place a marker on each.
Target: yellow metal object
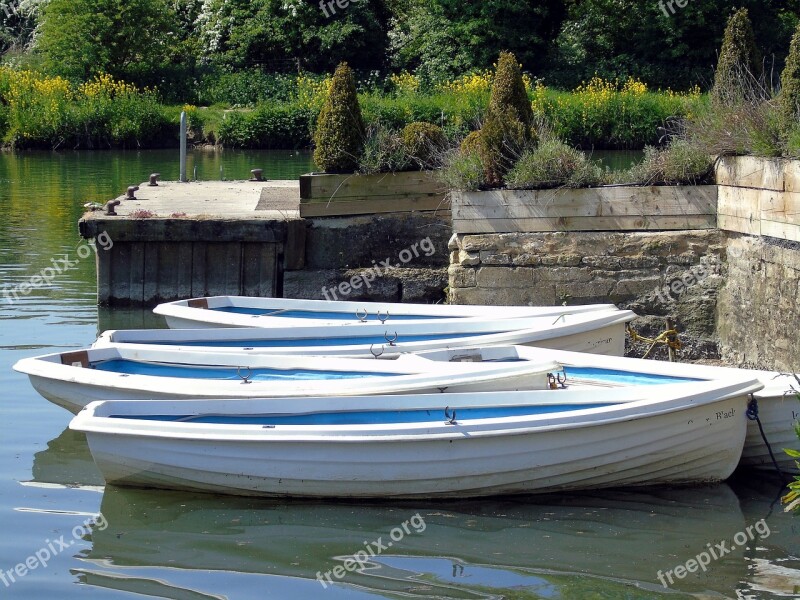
(668, 338)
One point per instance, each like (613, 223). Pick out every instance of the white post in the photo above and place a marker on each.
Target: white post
(183, 146)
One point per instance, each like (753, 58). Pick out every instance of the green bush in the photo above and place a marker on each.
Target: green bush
(681, 162)
(554, 164)
(471, 144)
(267, 126)
(508, 90)
(339, 136)
(739, 64)
(247, 88)
(503, 140)
(384, 151)
(424, 143)
(506, 131)
(463, 171)
(789, 98)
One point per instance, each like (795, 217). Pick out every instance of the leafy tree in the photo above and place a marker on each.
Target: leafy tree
(621, 38)
(129, 39)
(281, 34)
(442, 38)
(18, 20)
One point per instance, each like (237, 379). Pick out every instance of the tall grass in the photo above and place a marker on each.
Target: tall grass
(51, 112)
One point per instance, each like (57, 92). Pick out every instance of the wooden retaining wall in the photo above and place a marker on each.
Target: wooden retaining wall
(156, 260)
(618, 208)
(329, 195)
(759, 196)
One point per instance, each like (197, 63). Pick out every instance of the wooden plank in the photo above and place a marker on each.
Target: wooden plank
(183, 252)
(259, 266)
(199, 287)
(136, 285)
(353, 186)
(103, 261)
(780, 230)
(153, 270)
(374, 206)
(164, 283)
(782, 207)
(739, 224)
(120, 272)
(223, 268)
(752, 172)
(621, 223)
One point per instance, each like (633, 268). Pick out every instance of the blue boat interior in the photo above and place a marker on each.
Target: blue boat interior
(133, 367)
(155, 369)
(353, 340)
(320, 315)
(369, 417)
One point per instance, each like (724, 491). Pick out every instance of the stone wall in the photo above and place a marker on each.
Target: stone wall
(656, 274)
(759, 305)
(392, 257)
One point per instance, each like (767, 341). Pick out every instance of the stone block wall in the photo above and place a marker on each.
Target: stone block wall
(759, 304)
(674, 274)
(396, 257)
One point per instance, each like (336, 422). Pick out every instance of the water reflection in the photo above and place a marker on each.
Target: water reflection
(611, 543)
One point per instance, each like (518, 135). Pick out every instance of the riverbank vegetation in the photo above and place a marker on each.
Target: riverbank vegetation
(255, 74)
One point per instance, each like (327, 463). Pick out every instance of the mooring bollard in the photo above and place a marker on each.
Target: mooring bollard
(257, 174)
(131, 194)
(110, 207)
(154, 179)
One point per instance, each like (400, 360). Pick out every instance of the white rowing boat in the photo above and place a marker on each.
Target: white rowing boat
(598, 332)
(73, 379)
(776, 405)
(245, 311)
(425, 446)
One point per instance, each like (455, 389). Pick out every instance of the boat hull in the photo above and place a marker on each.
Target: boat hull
(240, 311)
(696, 442)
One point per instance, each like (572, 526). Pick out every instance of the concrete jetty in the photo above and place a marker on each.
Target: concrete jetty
(177, 240)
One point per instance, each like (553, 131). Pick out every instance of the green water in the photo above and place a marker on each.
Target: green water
(603, 545)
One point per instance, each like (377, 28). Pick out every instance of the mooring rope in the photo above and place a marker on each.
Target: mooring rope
(752, 414)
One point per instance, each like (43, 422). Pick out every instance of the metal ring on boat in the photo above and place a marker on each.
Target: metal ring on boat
(362, 316)
(383, 318)
(450, 416)
(562, 381)
(392, 340)
(376, 355)
(244, 378)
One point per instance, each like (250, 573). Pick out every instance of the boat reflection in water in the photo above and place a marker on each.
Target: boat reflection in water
(608, 544)
(556, 547)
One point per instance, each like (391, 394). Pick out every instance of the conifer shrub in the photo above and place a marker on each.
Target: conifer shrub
(506, 131)
(789, 97)
(471, 144)
(339, 136)
(424, 143)
(739, 64)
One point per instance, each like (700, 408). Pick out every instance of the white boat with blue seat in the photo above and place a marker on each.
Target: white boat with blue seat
(776, 405)
(246, 311)
(73, 379)
(425, 446)
(599, 331)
